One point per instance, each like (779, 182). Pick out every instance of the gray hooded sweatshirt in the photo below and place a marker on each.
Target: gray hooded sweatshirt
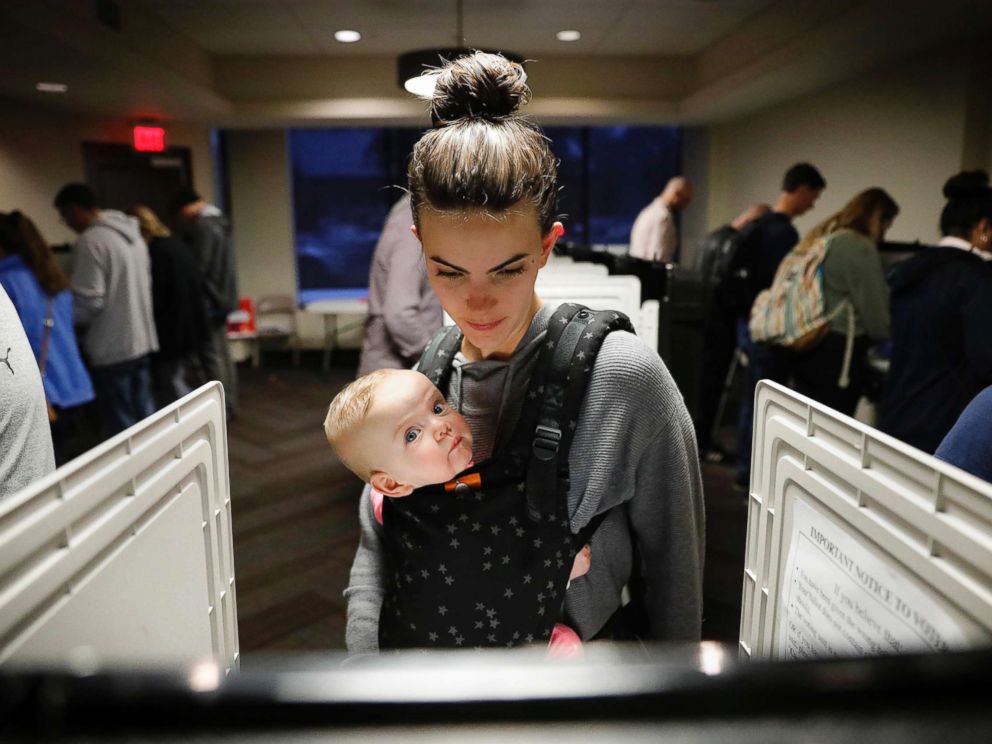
(634, 455)
(112, 285)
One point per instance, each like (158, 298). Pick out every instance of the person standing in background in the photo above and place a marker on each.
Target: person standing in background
(39, 290)
(26, 452)
(769, 239)
(208, 233)
(941, 306)
(111, 283)
(404, 312)
(654, 236)
(177, 300)
(715, 251)
(835, 370)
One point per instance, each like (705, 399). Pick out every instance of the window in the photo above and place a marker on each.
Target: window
(344, 185)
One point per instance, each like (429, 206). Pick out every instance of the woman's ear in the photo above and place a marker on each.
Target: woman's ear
(416, 232)
(548, 243)
(387, 486)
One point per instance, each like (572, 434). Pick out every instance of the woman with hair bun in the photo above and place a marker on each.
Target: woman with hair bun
(941, 305)
(484, 193)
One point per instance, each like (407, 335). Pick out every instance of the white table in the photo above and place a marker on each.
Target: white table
(331, 309)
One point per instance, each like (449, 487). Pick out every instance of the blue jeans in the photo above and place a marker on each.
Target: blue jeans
(123, 394)
(763, 362)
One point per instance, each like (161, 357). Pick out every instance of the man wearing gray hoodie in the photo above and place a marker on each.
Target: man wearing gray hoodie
(111, 285)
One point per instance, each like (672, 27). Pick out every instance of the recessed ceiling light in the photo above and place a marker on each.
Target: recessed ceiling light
(569, 35)
(52, 87)
(347, 36)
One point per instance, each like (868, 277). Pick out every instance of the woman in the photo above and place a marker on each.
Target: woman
(483, 186)
(178, 306)
(852, 274)
(941, 305)
(39, 290)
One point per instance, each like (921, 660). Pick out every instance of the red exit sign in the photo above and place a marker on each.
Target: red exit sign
(149, 138)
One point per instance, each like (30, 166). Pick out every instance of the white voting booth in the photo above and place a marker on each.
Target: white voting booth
(857, 543)
(590, 285)
(124, 556)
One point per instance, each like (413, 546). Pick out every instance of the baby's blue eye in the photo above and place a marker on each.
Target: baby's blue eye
(411, 435)
(438, 409)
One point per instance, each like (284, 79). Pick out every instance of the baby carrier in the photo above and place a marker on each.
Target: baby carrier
(484, 560)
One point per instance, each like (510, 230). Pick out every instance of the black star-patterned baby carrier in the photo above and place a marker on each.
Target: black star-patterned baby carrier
(484, 560)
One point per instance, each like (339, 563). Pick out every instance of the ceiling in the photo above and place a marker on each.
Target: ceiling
(246, 63)
(261, 27)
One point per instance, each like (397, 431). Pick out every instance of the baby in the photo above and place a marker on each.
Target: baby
(394, 429)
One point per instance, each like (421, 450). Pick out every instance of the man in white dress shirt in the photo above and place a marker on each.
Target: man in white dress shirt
(654, 236)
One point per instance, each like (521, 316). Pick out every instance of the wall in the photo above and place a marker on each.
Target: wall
(40, 151)
(262, 216)
(902, 128)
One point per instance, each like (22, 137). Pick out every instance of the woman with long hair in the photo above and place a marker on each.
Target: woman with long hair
(484, 193)
(852, 275)
(177, 304)
(39, 290)
(941, 305)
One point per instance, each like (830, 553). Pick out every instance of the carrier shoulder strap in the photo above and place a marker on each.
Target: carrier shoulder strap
(566, 377)
(435, 362)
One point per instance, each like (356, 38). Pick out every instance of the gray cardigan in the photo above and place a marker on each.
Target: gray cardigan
(634, 446)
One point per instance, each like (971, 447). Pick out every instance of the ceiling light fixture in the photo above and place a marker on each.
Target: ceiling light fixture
(347, 36)
(417, 70)
(52, 87)
(568, 35)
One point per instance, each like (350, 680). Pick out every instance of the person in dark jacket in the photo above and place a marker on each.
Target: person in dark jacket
(178, 306)
(941, 305)
(719, 327)
(208, 233)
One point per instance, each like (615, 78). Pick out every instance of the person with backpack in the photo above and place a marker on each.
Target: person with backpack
(559, 440)
(758, 254)
(941, 305)
(830, 299)
(715, 252)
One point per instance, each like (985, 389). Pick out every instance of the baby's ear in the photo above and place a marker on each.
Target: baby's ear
(387, 486)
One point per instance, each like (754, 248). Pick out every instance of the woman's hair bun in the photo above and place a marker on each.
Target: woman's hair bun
(967, 184)
(478, 85)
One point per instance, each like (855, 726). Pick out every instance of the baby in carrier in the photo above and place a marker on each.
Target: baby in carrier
(395, 430)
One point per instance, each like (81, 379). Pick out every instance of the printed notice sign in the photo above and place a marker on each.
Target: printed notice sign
(840, 598)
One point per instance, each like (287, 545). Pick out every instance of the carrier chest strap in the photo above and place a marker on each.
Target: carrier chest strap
(436, 360)
(564, 390)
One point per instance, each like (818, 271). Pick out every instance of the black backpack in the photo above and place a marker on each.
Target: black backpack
(725, 256)
(483, 560)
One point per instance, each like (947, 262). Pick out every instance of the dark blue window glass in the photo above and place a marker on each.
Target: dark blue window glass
(343, 183)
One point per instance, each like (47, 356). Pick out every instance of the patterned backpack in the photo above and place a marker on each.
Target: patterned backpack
(792, 312)
(484, 560)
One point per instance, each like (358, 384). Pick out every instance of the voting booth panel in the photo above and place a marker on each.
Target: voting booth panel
(124, 555)
(858, 544)
(600, 292)
(622, 293)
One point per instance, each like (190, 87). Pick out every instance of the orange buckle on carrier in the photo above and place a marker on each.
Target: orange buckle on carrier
(470, 482)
